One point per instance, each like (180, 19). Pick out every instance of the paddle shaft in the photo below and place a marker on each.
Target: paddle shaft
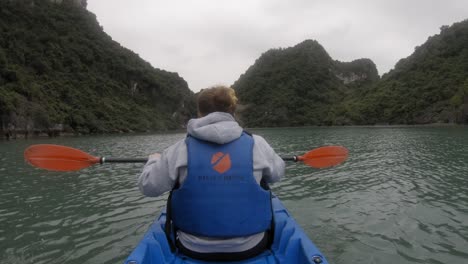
(144, 160)
(63, 158)
(122, 160)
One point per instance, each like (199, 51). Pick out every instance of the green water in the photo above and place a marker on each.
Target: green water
(402, 197)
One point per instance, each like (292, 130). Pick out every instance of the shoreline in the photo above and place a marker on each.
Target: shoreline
(19, 135)
(23, 136)
(371, 126)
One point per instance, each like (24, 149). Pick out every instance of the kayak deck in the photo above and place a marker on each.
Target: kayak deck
(291, 245)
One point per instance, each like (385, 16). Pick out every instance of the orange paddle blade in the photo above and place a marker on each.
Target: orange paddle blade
(324, 157)
(58, 158)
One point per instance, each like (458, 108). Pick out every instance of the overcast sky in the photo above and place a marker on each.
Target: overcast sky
(212, 42)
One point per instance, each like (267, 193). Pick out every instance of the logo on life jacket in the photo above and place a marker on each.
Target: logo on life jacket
(221, 162)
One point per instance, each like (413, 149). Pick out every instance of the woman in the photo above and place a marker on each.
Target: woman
(217, 207)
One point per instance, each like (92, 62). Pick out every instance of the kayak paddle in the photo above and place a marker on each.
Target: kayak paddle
(62, 158)
(322, 157)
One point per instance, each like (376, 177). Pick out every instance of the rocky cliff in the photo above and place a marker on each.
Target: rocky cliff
(302, 85)
(59, 72)
(298, 86)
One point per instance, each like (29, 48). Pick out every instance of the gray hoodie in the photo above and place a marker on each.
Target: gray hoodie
(160, 175)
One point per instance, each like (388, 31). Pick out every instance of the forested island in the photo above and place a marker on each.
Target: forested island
(61, 73)
(302, 85)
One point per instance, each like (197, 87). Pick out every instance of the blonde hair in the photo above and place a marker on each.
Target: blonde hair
(216, 99)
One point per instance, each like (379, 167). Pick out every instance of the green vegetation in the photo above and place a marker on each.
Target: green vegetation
(59, 71)
(430, 86)
(302, 85)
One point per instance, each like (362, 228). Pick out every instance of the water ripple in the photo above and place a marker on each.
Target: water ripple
(402, 197)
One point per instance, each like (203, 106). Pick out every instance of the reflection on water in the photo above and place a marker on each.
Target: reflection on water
(402, 197)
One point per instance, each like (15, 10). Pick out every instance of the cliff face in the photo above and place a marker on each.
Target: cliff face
(60, 72)
(357, 71)
(299, 86)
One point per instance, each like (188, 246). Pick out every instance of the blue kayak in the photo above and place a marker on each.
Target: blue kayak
(291, 245)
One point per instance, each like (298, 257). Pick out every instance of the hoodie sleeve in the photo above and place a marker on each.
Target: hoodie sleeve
(160, 175)
(265, 159)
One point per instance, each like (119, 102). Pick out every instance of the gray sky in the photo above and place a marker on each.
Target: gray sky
(212, 42)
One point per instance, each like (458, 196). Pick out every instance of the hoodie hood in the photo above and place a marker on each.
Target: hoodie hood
(217, 127)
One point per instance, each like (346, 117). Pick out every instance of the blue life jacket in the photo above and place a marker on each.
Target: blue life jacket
(220, 197)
